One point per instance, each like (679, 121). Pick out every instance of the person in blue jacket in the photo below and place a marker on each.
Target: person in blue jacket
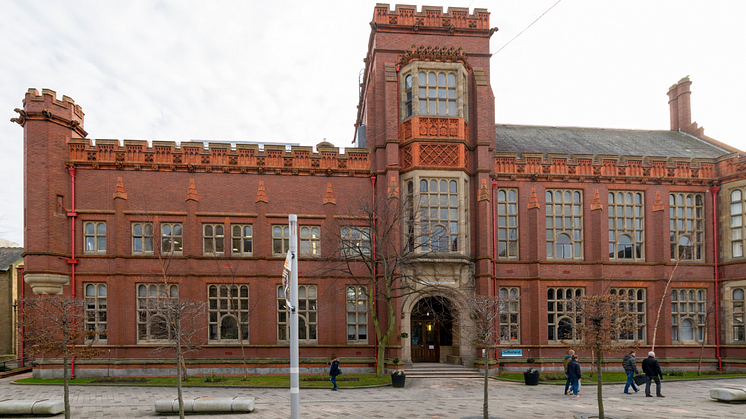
(573, 372)
(334, 371)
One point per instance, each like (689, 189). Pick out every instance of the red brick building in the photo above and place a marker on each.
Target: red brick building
(541, 213)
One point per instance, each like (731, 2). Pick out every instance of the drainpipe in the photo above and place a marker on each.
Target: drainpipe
(494, 262)
(375, 335)
(21, 283)
(72, 261)
(714, 190)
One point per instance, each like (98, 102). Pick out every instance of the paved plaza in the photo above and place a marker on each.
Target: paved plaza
(422, 398)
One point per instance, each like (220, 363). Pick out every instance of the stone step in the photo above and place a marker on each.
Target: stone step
(433, 370)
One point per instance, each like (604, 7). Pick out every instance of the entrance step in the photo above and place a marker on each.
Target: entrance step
(433, 370)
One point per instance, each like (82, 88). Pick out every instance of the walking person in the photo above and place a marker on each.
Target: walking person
(334, 371)
(652, 370)
(573, 372)
(630, 367)
(568, 357)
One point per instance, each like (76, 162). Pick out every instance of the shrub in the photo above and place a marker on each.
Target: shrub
(673, 373)
(213, 378)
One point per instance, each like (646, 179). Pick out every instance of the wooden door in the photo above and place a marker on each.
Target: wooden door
(425, 342)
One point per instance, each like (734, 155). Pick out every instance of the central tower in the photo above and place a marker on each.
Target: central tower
(426, 114)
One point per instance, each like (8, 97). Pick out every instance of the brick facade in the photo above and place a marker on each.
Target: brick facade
(194, 184)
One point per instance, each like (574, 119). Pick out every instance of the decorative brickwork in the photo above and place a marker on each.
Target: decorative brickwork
(191, 192)
(444, 155)
(218, 157)
(261, 194)
(444, 55)
(393, 187)
(484, 193)
(596, 204)
(328, 198)
(605, 168)
(432, 17)
(119, 191)
(434, 127)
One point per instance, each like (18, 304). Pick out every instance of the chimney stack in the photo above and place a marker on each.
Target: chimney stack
(679, 101)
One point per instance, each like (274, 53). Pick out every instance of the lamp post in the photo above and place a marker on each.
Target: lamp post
(293, 304)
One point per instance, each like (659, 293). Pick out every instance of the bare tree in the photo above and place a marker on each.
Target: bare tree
(178, 325)
(604, 323)
(380, 246)
(55, 324)
(487, 327)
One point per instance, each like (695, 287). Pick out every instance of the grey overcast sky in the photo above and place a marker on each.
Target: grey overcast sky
(287, 70)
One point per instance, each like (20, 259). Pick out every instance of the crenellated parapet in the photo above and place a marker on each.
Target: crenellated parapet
(731, 167)
(195, 156)
(46, 107)
(431, 17)
(605, 168)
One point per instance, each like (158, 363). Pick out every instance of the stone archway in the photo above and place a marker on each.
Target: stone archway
(431, 326)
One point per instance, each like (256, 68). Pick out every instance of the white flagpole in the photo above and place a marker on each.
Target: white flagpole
(294, 362)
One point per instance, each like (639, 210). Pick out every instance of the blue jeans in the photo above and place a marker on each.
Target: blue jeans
(567, 383)
(574, 386)
(333, 379)
(630, 380)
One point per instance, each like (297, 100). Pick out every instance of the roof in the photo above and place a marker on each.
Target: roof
(9, 256)
(572, 140)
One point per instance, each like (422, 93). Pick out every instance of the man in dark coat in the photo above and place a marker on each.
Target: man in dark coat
(630, 367)
(567, 360)
(652, 370)
(573, 372)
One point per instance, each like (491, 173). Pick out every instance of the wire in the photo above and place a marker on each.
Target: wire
(521, 32)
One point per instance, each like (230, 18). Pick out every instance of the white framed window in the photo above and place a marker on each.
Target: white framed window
(635, 304)
(310, 241)
(510, 315)
(280, 240)
(228, 312)
(355, 241)
(439, 215)
(94, 237)
(434, 89)
(142, 238)
(737, 308)
(307, 315)
(626, 226)
(737, 226)
(172, 238)
(242, 238)
(357, 314)
(95, 311)
(151, 325)
(213, 236)
(564, 224)
(507, 223)
(687, 226)
(562, 315)
(688, 315)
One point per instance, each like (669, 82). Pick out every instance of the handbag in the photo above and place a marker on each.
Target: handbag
(640, 379)
(339, 371)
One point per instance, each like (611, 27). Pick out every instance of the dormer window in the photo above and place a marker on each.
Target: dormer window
(434, 89)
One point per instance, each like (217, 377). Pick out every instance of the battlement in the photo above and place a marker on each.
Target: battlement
(602, 167)
(35, 102)
(431, 16)
(196, 156)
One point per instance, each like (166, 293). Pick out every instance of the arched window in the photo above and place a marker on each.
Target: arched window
(564, 247)
(739, 332)
(227, 312)
(737, 214)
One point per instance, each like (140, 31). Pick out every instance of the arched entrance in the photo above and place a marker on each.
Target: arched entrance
(431, 324)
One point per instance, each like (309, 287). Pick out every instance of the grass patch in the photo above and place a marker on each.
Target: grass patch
(618, 377)
(311, 380)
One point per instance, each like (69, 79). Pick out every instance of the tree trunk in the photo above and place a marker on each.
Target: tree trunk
(485, 405)
(67, 384)
(600, 385)
(702, 347)
(660, 306)
(380, 357)
(179, 360)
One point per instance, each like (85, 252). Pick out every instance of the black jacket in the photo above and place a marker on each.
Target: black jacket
(630, 363)
(651, 367)
(334, 369)
(573, 369)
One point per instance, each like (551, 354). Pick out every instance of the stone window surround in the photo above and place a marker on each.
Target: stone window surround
(728, 287)
(413, 68)
(462, 180)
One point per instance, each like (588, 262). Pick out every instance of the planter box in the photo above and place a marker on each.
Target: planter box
(398, 380)
(531, 378)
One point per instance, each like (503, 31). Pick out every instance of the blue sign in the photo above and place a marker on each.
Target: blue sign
(512, 352)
